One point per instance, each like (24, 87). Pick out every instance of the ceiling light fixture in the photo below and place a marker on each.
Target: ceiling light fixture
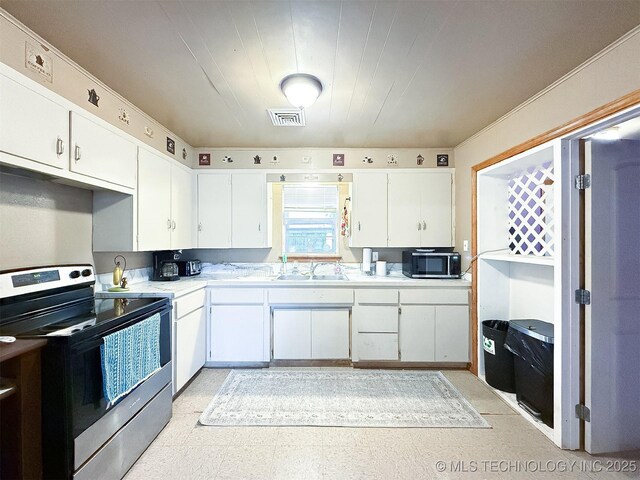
(301, 89)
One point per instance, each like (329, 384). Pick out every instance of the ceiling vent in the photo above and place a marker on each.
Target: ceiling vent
(287, 117)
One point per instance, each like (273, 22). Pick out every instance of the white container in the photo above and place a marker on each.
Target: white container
(366, 260)
(381, 268)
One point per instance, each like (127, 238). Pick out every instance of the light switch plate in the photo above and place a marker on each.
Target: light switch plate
(465, 245)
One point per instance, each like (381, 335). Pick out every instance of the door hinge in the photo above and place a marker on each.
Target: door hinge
(582, 182)
(583, 297)
(399, 310)
(583, 413)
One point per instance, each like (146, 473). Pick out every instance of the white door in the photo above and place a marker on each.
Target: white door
(417, 333)
(214, 211)
(612, 268)
(452, 333)
(181, 204)
(236, 333)
(330, 334)
(32, 126)
(154, 202)
(291, 334)
(369, 213)
(249, 207)
(403, 215)
(190, 348)
(435, 209)
(100, 153)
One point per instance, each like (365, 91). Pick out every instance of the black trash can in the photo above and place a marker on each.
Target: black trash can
(498, 361)
(531, 342)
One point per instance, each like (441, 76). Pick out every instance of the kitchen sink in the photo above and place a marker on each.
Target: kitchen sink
(292, 276)
(330, 277)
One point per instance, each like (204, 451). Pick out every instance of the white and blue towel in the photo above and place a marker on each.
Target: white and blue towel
(129, 356)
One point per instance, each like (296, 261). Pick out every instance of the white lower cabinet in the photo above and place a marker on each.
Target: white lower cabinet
(237, 328)
(417, 333)
(377, 346)
(452, 333)
(189, 337)
(304, 334)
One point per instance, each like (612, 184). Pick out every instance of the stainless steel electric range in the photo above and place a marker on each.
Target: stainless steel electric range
(84, 435)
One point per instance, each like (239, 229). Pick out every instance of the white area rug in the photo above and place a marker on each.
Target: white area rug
(349, 398)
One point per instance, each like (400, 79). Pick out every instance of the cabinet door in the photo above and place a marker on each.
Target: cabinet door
(417, 333)
(181, 204)
(154, 202)
(214, 211)
(237, 333)
(452, 333)
(100, 153)
(291, 334)
(435, 208)
(369, 214)
(249, 210)
(376, 346)
(404, 220)
(330, 334)
(190, 350)
(32, 126)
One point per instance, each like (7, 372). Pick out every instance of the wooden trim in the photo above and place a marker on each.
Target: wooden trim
(593, 116)
(606, 110)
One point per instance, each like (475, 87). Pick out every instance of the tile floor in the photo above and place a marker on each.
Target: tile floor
(511, 449)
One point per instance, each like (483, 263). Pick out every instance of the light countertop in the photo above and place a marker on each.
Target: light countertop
(356, 280)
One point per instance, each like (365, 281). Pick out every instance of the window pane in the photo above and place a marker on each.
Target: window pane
(310, 219)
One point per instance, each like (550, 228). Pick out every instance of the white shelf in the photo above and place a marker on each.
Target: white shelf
(530, 259)
(510, 399)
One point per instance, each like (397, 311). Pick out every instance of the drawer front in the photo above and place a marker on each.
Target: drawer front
(237, 296)
(377, 346)
(187, 304)
(438, 296)
(310, 296)
(376, 319)
(377, 296)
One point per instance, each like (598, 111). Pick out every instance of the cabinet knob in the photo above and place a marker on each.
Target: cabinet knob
(424, 225)
(419, 226)
(59, 146)
(358, 226)
(173, 225)
(168, 224)
(259, 227)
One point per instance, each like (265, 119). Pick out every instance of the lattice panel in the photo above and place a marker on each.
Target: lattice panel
(531, 218)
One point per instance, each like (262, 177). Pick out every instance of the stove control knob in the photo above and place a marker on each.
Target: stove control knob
(86, 272)
(74, 274)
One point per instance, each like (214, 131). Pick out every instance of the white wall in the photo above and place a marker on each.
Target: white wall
(611, 74)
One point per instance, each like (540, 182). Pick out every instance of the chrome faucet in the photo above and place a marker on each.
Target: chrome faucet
(337, 270)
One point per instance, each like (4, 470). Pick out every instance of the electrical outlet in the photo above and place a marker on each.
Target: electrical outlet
(374, 256)
(465, 245)
(392, 160)
(275, 159)
(306, 159)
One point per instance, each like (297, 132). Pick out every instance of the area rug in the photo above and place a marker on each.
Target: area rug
(340, 398)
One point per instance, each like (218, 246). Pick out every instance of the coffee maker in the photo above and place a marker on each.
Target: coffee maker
(165, 268)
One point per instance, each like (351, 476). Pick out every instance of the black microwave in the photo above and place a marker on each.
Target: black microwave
(431, 263)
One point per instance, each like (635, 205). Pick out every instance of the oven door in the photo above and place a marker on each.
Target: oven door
(430, 265)
(77, 420)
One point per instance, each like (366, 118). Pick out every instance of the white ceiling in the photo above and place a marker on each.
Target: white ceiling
(395, 73)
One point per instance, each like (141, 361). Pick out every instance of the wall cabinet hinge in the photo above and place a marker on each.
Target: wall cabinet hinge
(583, 413)
(583, 297)
(582, 182)
(399, 310)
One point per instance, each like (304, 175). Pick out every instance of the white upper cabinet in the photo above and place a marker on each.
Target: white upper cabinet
(214, 211)
(420, 209)
(249, 222)
(101, 153)
(181, 205)
(369, 212)
(32, 126)
(233, 211)
(154, 202)
(164, 203)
